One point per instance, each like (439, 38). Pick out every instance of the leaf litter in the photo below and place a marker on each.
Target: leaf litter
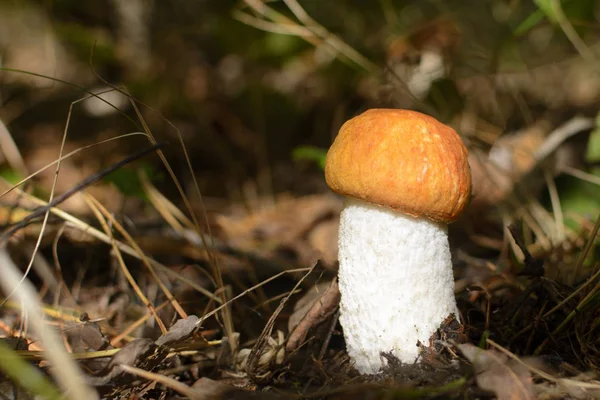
(306, 346)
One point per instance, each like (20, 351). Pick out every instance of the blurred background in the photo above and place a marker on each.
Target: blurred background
(257, 90)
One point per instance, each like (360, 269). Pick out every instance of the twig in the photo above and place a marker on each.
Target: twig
(174, 384)
(334, 321)
(533, 266)
(322, 309)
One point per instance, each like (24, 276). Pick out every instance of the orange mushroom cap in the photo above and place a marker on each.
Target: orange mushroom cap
(404, 160)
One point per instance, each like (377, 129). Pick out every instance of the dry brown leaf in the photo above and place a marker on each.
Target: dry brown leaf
(506, 378)
(283, 228)
(209, 389)
(181, 330)
(86, 336)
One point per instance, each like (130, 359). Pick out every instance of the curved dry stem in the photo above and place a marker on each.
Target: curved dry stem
(124, 269)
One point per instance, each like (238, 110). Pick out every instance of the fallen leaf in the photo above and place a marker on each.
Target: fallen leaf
(284, 229)
(494, 371)
(208, 389)
(86, 336)
(182, 329)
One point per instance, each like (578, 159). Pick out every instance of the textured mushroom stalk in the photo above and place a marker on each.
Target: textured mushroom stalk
(396, 282)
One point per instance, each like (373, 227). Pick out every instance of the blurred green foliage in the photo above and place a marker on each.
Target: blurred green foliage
(87, 44)
(310, 153)
(10, 175)
(128, 182)
(26, 375)
(593, 148)
(580, 196)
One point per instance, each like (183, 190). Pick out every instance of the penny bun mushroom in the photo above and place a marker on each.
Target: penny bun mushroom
(405, 176)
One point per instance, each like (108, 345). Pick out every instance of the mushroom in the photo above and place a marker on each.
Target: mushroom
(406, 176)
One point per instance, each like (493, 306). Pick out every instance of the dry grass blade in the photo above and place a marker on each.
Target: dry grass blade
(311, 31)
(561, 304)
(123, 335)
(584, 176)
(90, 230)
(124, 269)
(214, 261)
(64, 157)
(585, 252)
(251, 289)
(570, 32)
(578, 265)
(559, 223)
(10, 150)
(46, 212)
(544, 220)
(338, 46)
(580, 306)
(90, 180)
(52, 312)
(177, 386)
(66, 372)
(80, 88)
(153, 141)
(559, 135)
(261, 342)
(142, 256)
(170, 213)
(283, 29)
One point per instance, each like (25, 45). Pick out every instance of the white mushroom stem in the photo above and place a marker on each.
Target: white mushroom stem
(395, 280)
